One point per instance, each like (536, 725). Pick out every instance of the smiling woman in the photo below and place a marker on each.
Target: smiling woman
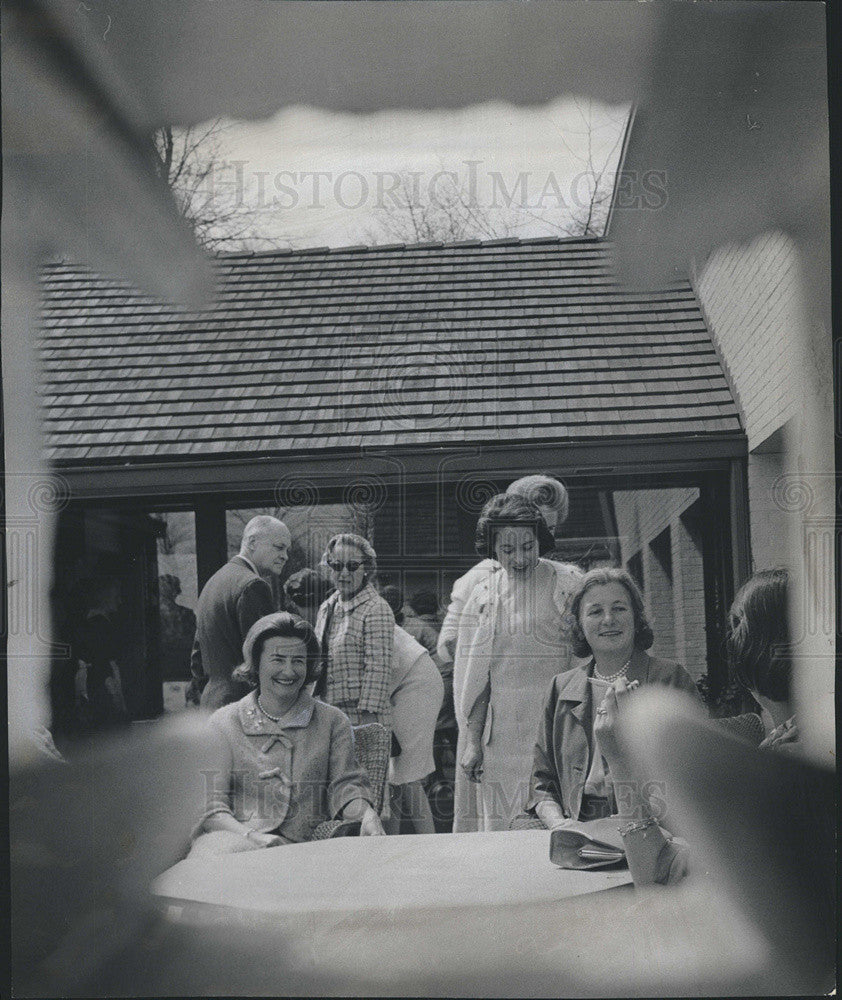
(285, 761)
(518, 645)
(608, 623)
(356, 630)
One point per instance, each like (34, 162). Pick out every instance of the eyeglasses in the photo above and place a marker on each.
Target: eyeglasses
(351, 566)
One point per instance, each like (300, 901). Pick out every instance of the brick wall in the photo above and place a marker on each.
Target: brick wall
(779, 365)
(751, 299)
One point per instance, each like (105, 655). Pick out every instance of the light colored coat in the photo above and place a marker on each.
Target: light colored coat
(287, 776)
(478, 636)
(472, 669)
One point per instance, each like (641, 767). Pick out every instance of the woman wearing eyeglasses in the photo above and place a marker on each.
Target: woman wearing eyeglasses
(356, 629)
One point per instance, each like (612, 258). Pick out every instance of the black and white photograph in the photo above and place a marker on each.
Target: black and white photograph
(419, 498)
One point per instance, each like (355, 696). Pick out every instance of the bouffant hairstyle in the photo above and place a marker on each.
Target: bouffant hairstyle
(758, 640)
(507, 510)
(643, 637)
(285, 626)
(307, 588)
(543, 491)
(368, 557)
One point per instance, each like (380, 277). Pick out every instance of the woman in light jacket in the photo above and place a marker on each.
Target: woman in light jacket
(462, 618)
(283, 761)
(518, 644)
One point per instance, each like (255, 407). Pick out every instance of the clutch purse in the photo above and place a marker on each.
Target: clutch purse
(592, 843)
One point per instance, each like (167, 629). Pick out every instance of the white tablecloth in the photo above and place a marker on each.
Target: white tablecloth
(395, 874)
(473, 914)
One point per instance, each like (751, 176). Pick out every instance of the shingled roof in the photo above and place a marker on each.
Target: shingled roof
(376, 347)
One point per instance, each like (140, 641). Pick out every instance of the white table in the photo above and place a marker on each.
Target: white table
(402, 874)
(449, 915)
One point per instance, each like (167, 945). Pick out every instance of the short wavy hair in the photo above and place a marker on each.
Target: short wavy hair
(643, 635)
(544, 491)
(285, 626)
(758, 640)
(507, 510)
(369, 556)
(307, 588)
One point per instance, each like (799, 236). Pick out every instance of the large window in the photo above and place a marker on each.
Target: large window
(668, 531)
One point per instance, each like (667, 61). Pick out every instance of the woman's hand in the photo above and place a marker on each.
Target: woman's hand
(551, 814)
(370, 825)
(471, 762)
(265, 839)
(608, 722)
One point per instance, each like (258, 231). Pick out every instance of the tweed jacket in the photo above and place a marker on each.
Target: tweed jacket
(563, 746)
(232, 600)
(287, 776)
(357, 637)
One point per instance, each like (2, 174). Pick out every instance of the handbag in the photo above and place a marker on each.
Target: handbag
(587, 844)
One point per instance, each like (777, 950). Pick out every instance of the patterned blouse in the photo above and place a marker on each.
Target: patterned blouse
(358, 636)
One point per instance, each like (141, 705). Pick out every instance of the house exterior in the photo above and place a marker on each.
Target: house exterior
(391, 391)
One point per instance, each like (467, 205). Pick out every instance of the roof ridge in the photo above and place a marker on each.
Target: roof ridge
(423, 245)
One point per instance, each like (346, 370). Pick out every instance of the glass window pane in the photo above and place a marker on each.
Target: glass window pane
(177, 597)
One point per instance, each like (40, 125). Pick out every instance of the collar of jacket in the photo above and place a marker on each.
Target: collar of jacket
(564, 575)
(243, 561)
(366, 594)
(256, 723)
(573, 685)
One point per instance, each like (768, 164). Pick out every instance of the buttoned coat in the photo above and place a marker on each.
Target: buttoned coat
(286, 776)
(357, 638)
(232, 600)
(563, 745)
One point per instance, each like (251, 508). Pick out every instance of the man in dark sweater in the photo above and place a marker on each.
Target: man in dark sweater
(232, 600)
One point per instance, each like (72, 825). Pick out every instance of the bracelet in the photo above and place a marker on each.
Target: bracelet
(636, 825)
(248, 834)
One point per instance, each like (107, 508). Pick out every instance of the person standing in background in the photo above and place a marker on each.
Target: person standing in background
(416, 697)
(232, 600)
(551, 498)
(99, 691)
(356, 631)
(520, 642)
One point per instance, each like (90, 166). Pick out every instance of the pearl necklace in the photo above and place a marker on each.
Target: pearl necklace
(273, 718)
(613, 677)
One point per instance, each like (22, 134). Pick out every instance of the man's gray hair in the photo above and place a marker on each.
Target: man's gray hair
(257, 526)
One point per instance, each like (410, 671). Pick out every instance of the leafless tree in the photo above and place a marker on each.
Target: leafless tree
(593, 187)
(207, 188)
(450, 210)
(444, 213)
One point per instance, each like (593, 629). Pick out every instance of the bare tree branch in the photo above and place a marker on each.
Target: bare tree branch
(207, 189)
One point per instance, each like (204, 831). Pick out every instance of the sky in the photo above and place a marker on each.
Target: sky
(317, 178)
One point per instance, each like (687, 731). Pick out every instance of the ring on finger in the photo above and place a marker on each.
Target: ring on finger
(602, 711)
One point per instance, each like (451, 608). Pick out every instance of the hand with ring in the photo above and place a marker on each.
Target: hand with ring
(607, 720)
